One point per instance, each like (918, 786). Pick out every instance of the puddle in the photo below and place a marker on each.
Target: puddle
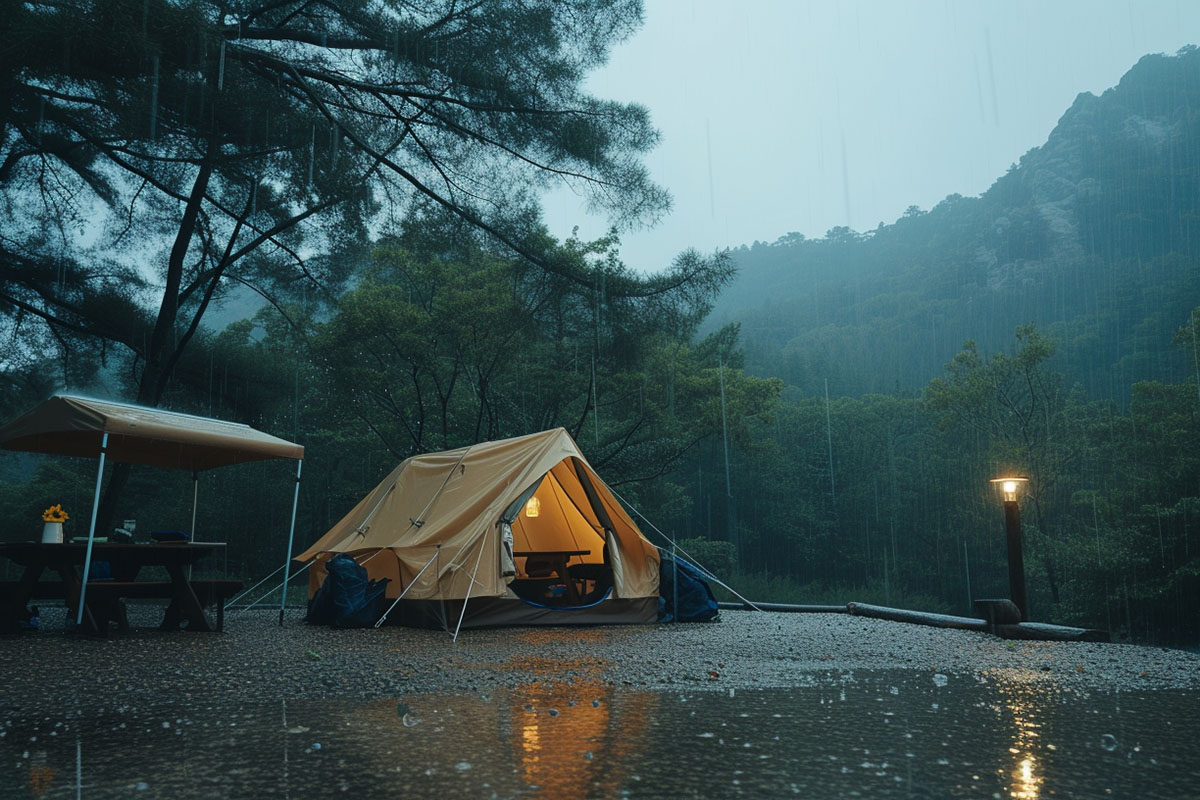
(865, 734)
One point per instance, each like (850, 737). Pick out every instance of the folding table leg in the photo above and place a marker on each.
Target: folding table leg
(188, 604)
(12, 607)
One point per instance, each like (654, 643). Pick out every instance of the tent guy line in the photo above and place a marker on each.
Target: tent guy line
(692, 559)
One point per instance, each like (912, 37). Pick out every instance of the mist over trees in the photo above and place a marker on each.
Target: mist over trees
(1094, 236)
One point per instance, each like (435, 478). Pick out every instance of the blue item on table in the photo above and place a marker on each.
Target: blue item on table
(165, 537)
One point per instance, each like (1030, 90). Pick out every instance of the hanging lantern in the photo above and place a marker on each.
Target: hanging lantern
(533, 507)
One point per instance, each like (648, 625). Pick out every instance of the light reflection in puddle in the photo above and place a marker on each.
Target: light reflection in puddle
(866, 734)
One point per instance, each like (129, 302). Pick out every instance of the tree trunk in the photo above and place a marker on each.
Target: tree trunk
(160, 349)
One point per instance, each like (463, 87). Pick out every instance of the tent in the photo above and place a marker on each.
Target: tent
(437, 525)
(79, 426)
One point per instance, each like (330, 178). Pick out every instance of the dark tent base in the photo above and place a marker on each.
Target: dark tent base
(487, 612)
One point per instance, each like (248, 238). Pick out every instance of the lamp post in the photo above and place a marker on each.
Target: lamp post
(1009, 488)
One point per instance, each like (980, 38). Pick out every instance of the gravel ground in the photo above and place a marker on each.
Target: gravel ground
(255, 660)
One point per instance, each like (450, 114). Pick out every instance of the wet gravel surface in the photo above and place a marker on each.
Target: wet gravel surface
(255, 660)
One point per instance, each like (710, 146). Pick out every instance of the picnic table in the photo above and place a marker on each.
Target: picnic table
(554, 561)
(104, 597)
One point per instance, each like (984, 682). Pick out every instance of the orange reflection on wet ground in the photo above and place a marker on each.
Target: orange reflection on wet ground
(576, 740)
(538, 637)
(1022, 693)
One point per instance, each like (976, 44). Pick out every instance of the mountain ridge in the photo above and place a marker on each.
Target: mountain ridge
(1093, 236)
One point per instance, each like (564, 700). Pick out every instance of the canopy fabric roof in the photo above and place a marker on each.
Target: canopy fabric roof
(75, 426)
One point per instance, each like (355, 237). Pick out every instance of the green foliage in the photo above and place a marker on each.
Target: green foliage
(719, 558)
(157, 153)
(885, 498)
(858, 471)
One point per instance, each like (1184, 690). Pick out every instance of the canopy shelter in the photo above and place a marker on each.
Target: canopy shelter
(439, 527)
(79, 426)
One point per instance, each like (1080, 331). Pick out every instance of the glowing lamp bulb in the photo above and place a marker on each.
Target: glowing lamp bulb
(1009, 487)
(533, 507)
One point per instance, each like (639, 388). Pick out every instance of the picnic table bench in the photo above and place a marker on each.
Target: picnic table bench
(104, 601)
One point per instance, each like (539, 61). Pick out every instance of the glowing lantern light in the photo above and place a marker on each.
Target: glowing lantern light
(1009, 487)
(533, 507)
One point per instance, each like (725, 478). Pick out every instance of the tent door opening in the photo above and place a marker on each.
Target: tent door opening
(560, 542)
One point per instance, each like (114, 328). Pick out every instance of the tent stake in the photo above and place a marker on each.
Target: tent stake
(291, 535)
(87, 559)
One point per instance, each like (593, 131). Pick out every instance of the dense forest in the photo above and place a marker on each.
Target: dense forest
(833, 442)
(1047, 327)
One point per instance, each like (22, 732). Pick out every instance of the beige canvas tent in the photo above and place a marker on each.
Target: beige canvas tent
(437, 527)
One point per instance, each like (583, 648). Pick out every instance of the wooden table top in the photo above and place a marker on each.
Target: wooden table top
(145, 553)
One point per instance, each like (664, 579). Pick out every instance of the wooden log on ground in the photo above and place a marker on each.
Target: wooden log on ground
(917, 617)
(1041, 631)
(998, 612)
(784, 607)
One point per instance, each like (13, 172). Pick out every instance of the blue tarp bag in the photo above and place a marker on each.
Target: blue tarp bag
(347, 599)
(695, 598)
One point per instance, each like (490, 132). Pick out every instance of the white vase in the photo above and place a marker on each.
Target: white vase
(52, 533)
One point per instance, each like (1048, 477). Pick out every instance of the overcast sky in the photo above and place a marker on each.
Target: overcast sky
(800, 115)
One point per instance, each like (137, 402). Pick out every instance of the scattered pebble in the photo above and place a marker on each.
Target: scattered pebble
(254, 661)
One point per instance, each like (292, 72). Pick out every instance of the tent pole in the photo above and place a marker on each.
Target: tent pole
(411, 584)
(291, 536)
(87, 559)
(674, 582)
(470, 586)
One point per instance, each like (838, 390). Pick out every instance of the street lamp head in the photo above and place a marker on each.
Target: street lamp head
(1010, 486)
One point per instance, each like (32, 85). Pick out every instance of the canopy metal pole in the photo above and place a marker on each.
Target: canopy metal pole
(87, 559)
(471, 585)
(195, 498)
(291, 535)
